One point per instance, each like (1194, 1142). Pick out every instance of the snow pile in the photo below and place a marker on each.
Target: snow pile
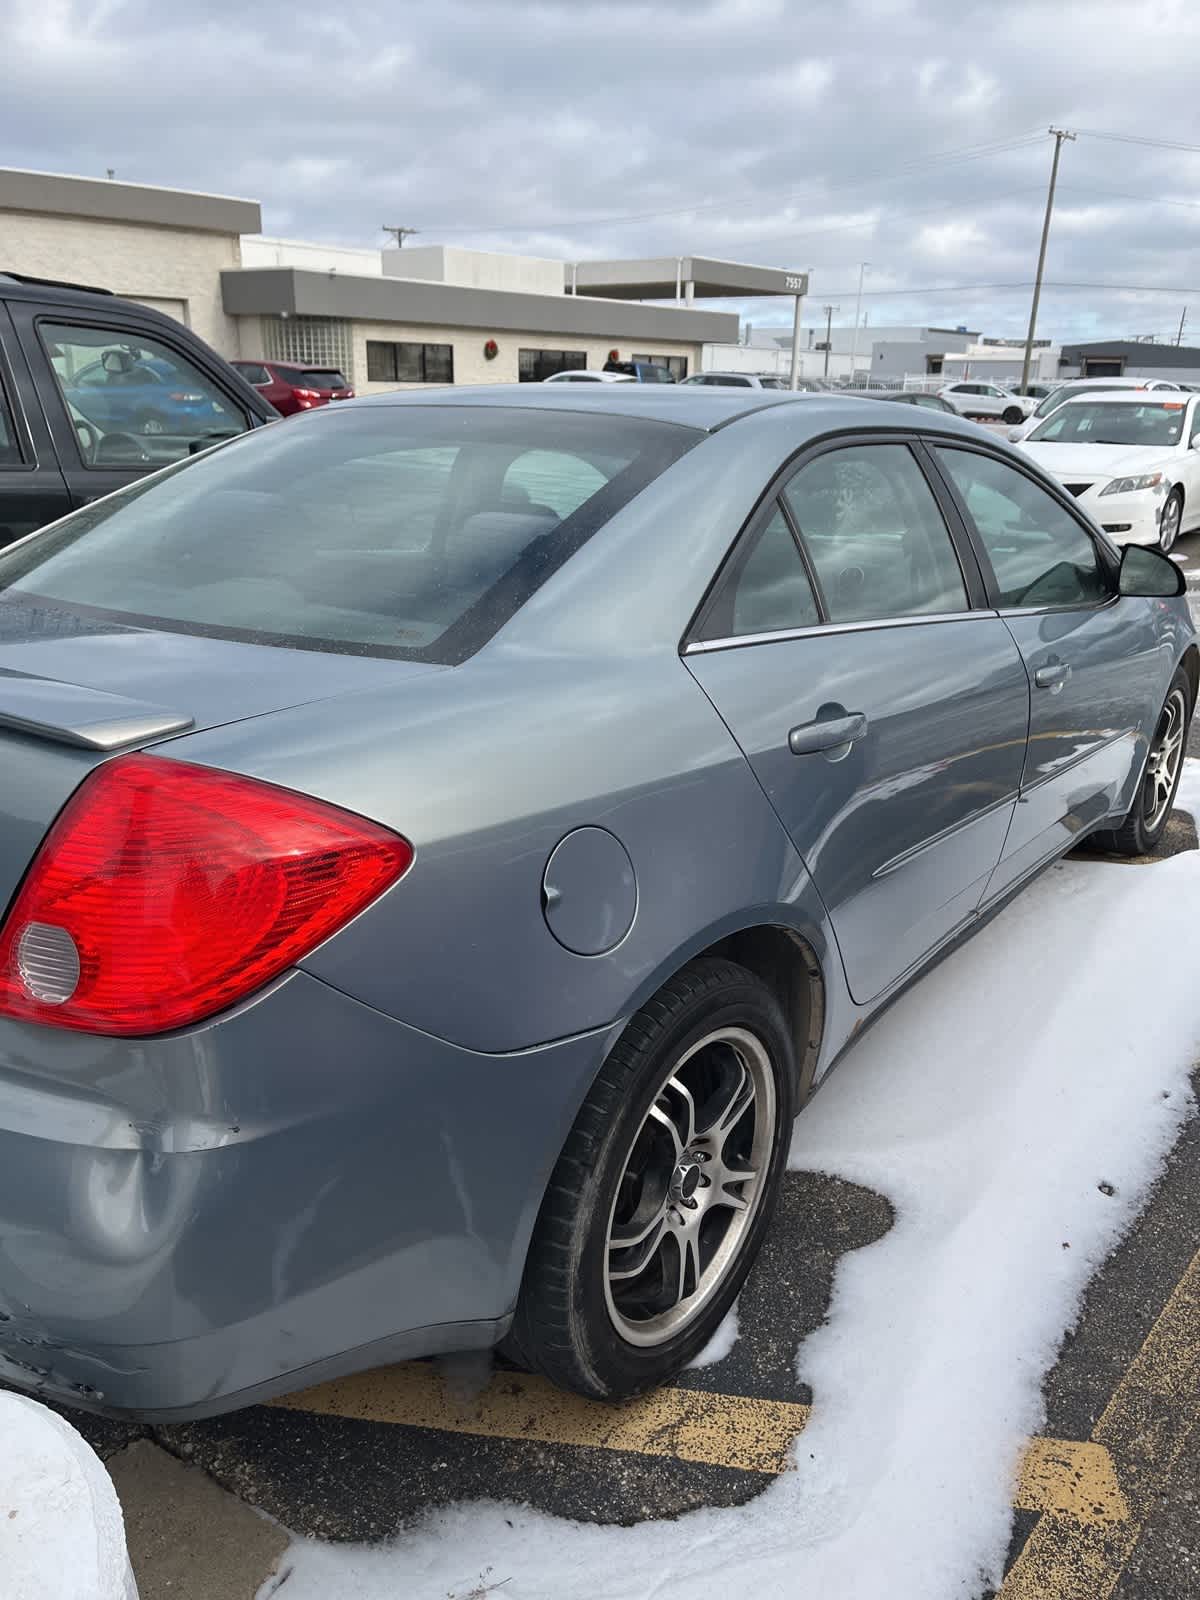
(1047, 1057)
(62, 1536)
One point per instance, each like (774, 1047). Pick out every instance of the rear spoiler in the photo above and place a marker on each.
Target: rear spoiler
(91, 719)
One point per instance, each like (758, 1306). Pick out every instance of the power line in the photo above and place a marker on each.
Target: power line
(943, 159)
(1136, 138)
(871, 222)
(998, 288)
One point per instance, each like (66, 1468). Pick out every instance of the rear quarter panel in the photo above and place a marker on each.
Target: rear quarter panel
(485, 769)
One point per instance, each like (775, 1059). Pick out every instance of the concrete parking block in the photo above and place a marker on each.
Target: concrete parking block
(188, 1539)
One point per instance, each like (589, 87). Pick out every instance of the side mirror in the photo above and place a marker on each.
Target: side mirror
(1149, 574)
(1015, 435)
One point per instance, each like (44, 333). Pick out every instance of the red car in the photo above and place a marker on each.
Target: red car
(291, 386)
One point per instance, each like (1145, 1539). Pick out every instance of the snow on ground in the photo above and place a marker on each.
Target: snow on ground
(1048, 1056)
(62, 1535)
(722, 1342)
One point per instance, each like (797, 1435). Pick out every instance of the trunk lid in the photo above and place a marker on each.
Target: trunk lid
(75, 690)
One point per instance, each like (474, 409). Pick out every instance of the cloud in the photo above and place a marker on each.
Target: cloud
(909, 135)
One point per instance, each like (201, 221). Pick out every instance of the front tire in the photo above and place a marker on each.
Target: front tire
(659, 1202)
(1147, 818)
(1171, 520)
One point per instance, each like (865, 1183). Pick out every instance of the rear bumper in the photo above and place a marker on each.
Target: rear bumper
(300, 1189)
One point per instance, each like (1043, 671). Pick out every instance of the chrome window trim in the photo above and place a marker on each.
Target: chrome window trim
(819, 630)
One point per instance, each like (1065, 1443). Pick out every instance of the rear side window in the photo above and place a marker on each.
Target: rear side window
(401, 530)
(765, 589)
(1039, 553)
(875, 536)
(253, 372)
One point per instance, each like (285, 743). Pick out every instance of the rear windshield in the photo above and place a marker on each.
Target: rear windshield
(386, 530)
(318, 378)
(772, 383)
(1113, 422)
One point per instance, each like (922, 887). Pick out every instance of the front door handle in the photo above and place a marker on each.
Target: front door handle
(811, 737)
(1052, 677)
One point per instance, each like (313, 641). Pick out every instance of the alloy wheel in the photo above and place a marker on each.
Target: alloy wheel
(690, 1186)
(1168, 528)
(1162, 764)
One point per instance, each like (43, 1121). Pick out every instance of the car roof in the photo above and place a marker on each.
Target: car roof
(688, 405)
(1147, 397)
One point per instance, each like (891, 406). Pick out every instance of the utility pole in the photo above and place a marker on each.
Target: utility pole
(1059, 135)
(400, 234)
(828, 310)
(862, 267)
(1179, 335)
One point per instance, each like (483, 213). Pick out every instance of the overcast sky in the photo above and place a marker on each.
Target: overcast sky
(909, 135)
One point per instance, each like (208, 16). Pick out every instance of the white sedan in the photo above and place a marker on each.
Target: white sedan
(988, 400)
(588, 375)
(1132, 460)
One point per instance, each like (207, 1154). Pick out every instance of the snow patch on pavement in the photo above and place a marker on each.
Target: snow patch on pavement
(722, 1342)
(1047, 1057)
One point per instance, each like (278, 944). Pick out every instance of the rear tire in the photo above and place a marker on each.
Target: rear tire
(1013, 416)
(679, 1150)
(1147, 818)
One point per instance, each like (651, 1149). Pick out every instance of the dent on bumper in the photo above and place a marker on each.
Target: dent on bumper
(300, 1188)
(1126, 518)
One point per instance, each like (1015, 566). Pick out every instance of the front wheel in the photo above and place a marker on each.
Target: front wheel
(1169, 522)
(658, 1204)
(1143, 826)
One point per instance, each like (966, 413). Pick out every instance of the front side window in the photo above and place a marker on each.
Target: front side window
(1039, 553)
(1131, 422)
(765, 590)
(875, 536)
(391, 362)
(133, 400)
(409, 531)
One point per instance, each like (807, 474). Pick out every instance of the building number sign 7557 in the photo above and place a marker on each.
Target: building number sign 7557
(795, 281)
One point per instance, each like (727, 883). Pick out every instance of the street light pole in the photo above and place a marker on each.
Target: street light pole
(797, 313)
(828, 310)
(1059, 135)
(862, 267)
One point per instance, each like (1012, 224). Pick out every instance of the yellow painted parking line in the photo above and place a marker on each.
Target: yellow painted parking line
(1144, 1427)
(724, 1430)
(1059, 1476)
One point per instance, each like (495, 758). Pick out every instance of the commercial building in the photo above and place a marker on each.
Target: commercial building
(389, 318)
(1131, 358)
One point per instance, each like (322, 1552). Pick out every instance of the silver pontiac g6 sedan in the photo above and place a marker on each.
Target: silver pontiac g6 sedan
(444, 840)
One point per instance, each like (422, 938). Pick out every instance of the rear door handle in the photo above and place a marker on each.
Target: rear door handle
(812, 737)
(1052, 677)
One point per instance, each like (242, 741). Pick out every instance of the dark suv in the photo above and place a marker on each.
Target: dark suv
(95, 392)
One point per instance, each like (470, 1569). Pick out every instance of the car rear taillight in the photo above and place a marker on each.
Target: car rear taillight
(184, 395)
(307, 394)
(166, 892)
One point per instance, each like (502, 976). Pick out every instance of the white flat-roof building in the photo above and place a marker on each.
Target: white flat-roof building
(388, 318)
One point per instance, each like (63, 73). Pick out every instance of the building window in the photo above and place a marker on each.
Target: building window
(310, 341)
(1102, 367)
(409, 363)
(677, 366)
(535, 366)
